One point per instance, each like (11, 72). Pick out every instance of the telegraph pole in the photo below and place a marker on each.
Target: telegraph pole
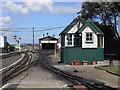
(33, 38)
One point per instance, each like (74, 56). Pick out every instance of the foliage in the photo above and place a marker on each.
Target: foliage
(105, 13)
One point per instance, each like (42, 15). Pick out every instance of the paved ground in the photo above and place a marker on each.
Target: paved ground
(8, 61)
(89, 72)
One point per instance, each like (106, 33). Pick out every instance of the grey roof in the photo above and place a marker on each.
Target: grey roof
(48, 38)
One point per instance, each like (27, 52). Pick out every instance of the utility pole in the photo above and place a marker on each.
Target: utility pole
(33, 38)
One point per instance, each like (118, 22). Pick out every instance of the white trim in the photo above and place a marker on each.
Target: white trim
(74, 29)
(103, 41)
(72, 40)
(48, 41)
(94, 38)
(66, 41)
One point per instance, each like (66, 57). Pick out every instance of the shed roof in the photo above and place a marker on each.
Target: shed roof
(48, 38)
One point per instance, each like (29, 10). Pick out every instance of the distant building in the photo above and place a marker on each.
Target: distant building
(3, 44)
(82, 40)
(49, 42)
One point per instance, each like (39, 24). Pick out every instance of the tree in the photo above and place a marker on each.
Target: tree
(105, 13)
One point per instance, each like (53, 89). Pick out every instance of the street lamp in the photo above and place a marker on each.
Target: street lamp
(17, 40)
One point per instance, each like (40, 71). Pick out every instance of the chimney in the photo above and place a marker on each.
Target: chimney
(47, 34)
(43, 35)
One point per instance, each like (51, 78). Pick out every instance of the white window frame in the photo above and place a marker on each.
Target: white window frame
(89, 41)
(66, 40)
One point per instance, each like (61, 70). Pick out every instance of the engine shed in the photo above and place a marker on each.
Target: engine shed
(48, 42)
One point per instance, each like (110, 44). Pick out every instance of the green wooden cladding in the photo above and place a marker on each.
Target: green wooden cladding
(70, 54)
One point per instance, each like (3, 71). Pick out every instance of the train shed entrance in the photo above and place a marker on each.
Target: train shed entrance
(48, 42)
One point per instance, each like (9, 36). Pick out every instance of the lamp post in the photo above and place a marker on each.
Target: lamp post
(18, 41)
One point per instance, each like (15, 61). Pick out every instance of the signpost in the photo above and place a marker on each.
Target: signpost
(18, 41)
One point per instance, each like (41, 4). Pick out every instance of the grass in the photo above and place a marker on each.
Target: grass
(115, 69)
(59, 53)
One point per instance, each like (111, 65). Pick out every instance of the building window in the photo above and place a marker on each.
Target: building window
(100, 41)
(77, 40)
(89, 37)
(69, 40)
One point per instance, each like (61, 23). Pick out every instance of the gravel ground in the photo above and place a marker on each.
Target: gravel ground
(89, 72)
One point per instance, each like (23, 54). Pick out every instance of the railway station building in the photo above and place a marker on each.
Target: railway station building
(3, 44)
(82, 40)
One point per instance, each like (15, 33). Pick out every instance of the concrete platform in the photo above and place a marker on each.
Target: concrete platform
(91, 73)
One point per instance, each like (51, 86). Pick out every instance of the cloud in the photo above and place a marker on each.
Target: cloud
(47, 6)
(5, 21)
(39, 5)
(27, 7)
(67, 9)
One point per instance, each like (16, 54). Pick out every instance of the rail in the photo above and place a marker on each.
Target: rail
(17, 68)
(75, 80)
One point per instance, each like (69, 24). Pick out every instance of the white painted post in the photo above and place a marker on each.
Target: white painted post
(19, 44)
(72, 40)
(65, 40)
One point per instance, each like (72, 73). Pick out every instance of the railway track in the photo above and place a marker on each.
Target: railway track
(11, 54)
(75, 80)
(18, 68)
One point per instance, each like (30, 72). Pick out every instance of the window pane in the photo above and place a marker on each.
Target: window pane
(90, 34)
(90, 39)
(69, 39)
(87, 39)
(87, 34)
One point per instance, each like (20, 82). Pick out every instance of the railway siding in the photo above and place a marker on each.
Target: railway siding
(48, 70)
(11, 71)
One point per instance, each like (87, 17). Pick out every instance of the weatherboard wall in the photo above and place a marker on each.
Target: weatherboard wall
(69, 54)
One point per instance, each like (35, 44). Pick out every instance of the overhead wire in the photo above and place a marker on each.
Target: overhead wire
(36, 30)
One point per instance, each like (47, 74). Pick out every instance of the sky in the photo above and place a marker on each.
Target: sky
(41, 15)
